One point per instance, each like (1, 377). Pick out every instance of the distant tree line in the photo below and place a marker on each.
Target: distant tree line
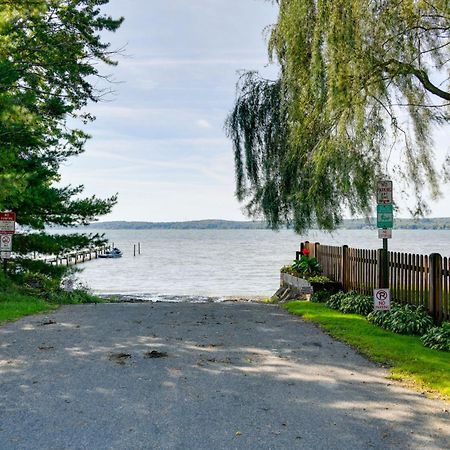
(431, 224)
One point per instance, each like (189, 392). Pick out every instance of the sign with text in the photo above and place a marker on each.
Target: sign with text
(385, 233)
(7, 222)
(385, 216)
(381, 299)
(384, 192)
(5, 255)
(6, 243)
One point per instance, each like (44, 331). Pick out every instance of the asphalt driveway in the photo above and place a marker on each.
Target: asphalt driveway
(199, 376)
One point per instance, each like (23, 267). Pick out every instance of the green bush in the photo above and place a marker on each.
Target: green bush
(320, 296)
(378, 317)
(438, 338)
(356, 304)
(403, 319)
(319, 279)
(306, 266)
(335, 300)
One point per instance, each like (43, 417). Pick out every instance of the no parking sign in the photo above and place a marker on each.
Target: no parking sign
(6, 242)
(381, 299)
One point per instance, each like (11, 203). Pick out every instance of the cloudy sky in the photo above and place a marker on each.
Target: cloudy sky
(159, 140)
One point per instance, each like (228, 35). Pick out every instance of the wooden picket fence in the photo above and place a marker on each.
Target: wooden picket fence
(413, 279)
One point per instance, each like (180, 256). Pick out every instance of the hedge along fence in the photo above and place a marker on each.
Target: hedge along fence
(414, 279)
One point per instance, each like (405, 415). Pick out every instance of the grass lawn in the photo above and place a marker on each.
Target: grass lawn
(408, 359)
(14, 305)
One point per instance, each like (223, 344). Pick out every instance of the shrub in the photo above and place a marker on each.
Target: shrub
(356, 304)
(74, 297)
(319, 279)
(403, 319)
(378, 317)
(335, 300)
(438, 338)
(307, 266)
(320, 296)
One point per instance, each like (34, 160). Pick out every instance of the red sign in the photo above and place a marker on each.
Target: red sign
(7, 222)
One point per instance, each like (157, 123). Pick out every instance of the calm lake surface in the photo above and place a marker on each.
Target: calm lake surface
(177, 265)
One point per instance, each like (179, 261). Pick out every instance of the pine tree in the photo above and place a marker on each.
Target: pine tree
(49, 50)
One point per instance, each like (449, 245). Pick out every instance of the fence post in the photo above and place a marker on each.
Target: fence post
(435, 298)
(299, 253)
(344, 267)
(316, 249)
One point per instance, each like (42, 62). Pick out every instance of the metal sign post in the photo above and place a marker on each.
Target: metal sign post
(385, 223)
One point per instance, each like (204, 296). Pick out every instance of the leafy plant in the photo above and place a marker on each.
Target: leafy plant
(335, 300)
(403, 319)
(438, 338)
(320, 296)
(319, 279)
(307, 266)
(378, 317)
(356, 304)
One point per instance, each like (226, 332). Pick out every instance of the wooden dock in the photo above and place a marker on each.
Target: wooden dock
(78, 257)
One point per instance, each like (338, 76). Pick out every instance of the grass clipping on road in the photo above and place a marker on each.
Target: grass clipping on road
(408, 359)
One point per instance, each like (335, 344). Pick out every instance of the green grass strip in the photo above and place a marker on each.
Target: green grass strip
(14, 305)
(408, 359)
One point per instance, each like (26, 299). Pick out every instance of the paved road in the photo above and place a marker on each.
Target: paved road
(199, 376)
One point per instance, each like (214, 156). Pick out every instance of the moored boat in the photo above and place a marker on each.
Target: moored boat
(114, 253)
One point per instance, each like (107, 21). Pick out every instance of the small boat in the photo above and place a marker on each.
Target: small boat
(114, 253)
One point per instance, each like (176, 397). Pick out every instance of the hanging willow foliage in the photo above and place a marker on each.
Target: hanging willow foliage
(312, 144)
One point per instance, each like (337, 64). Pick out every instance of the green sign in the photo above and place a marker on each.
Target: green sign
(385, 216)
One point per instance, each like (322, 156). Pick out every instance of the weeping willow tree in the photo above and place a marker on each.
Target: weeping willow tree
(355, 93)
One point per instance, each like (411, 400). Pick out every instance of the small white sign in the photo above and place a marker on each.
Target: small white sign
(6, 242)
(385, 233)
(384, 192)
(7, 222)
(5, 255)
(381, 299)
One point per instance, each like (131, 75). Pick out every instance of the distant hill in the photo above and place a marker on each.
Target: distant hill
(442, 223)
(188, 225)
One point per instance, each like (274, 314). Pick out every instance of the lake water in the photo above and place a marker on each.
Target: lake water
(192, 264)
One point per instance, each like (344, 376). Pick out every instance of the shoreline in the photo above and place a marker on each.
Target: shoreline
(167, 298)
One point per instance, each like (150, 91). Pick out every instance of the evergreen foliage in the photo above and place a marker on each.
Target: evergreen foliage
(315, 141)
(49, 57)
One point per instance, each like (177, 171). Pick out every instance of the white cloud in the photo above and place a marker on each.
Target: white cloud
(202, 123)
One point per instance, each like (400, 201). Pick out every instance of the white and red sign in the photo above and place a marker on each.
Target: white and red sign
(6, 242)
(7, 222)
(381, 299)
(384, 233)
(5, 255)
(384, 192)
